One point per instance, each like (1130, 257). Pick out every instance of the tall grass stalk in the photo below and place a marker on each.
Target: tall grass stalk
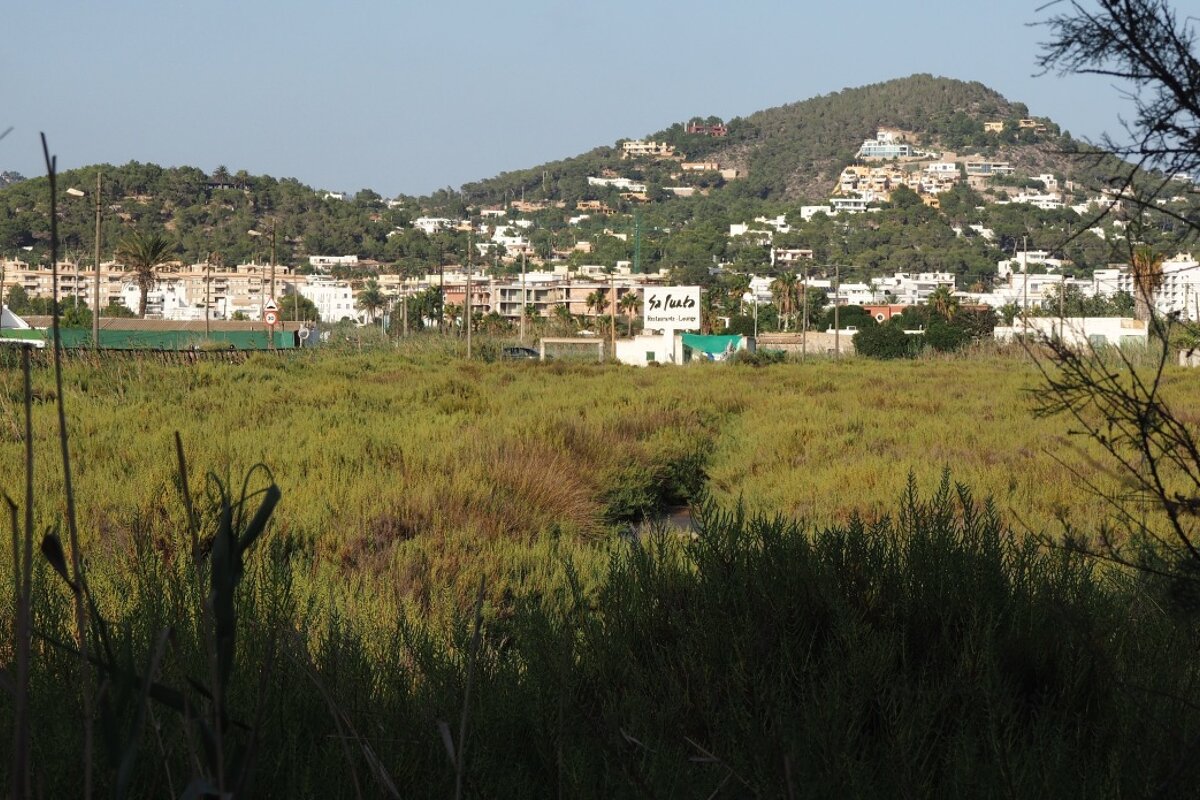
(22, 551)
(80, 581)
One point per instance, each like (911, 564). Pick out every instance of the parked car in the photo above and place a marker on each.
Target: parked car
(520, 353)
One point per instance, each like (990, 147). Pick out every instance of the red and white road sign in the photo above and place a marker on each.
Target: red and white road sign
(271, 317)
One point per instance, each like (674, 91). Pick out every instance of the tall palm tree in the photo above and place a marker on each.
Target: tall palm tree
(708, 310)
(370, 299)
(783, 289)
(1147, 278)
(595, 303)
(562, 314)
(144, 253)
(630, 304)
(453, 313)
(736, 289)
(602, 301)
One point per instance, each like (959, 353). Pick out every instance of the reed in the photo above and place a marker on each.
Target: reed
(302, 632)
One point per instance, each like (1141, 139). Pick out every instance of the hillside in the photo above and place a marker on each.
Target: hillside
(768, 164)
(206, 215)
(795, 152)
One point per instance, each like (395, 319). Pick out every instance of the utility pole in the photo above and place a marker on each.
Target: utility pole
(804, 330)
(441, 293)
(637, 243)
(521, 308)
(467, 298)
(1025, 282)
(272, 259)
(404, 306)
(207, 284)
(612, 314)
(96, 286)
(837, 325)
(1062, 297)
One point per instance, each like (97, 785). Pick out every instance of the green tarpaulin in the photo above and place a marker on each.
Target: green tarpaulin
(155, 340)
(711, 345)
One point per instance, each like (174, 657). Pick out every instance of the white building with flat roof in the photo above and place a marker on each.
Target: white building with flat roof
(333, 298)
(886, 144)
(909, 288)
(431, 225)
(1179, 292)
(1078, 331)
(326, 263)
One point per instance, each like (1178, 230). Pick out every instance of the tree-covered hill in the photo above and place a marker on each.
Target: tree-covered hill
(786, 157)
(205, 216)
(795, 152)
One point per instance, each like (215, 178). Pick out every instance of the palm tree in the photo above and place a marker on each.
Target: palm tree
(452, 312)
(783, 289)
(562, 314)
(630, 304)
(595, 303)
(602, 302)
(144, 253)
(736, 288)
(370, 299)
(708, 310)
(1147, 277)
(944, 303)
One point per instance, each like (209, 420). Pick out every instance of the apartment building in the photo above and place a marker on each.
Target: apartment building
(431, 225)
(326, 263)
(912, 288)
(1047, 201)
(635, 148)
(790, 256)
(886, 144)
(624, 184)
(849, 205)
(1179, 292)
(74, 280)
(988, 168)
(179, 292)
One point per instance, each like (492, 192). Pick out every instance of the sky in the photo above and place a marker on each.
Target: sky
(408, 97)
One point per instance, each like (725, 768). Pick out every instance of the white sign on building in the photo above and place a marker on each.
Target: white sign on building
(672, 308)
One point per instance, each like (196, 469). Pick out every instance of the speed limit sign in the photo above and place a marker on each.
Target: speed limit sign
(271, 317)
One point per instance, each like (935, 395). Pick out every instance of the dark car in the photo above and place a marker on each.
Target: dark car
(520, 353)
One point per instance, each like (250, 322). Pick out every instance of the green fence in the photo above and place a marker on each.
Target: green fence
(156, 340)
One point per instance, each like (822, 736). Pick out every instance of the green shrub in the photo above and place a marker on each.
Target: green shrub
(887, 342)
(759, 358)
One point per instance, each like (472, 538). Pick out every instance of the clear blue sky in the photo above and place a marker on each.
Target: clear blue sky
(405, 96)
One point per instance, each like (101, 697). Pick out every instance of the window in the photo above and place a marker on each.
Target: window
(650, 355)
